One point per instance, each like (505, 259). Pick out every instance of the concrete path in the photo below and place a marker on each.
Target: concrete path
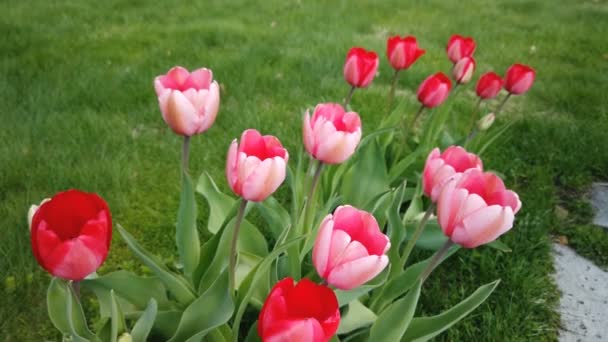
(584, 297)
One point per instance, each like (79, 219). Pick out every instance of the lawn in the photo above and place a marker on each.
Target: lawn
(79, 111)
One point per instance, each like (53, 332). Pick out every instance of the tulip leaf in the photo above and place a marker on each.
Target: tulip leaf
(252, 335)
(186, 233)
(501, 246)
(367, 178)
(177, 286)
(134, 289)
(347, 296)
(275, 215)
(396, 228)
(166, 322)
(220, 204)
(393, 322)
(425, 328)
(432, 237)
(397, 172)
(65, 311)
(118, 320)
(212, 309)
(357, 316)
(144, 324)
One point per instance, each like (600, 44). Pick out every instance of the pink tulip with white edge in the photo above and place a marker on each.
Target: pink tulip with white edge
(331, 135)
(189, 101)
(474, 208)
(256, 166)
(350, 249)
(439, 167)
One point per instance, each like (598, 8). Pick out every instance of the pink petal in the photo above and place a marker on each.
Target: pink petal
(175, 78)
(296, 330)
(231, 166)
(485, 225)
(264, 179)
(211, 107)
(320, 250)
(307, 133)
(199, 79)
(339, 242)
(181, 115)
(355, 273)
(351, 72)
(73, 260)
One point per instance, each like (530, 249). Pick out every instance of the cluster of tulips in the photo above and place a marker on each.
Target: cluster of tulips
(71, 232)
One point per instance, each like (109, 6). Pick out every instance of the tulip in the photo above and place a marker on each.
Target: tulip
(463, 70)
(434, 90)
(350, 248)
(188, 101)
(331, 135)
(71, 234)
(306, 312)
(403, 52)
(519, 79)
(440, 167)
(360, 67)
(475, 208)
(460, 47)
(489, 85)
(256, 167)
(486, 122)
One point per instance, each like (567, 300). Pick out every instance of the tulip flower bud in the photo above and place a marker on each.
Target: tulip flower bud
(460, 47)
(126, 337)
(360, 67)
(256, 166)
(402, 52)
(486, 122)
(519, 79)
(434, 90)
(463, 70)
(489, 85)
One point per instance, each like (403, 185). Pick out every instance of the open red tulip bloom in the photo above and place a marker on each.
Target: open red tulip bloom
(71, 234)
(475, 208)
(331, 135)
(460, 47)
(303, 312)
(256, 167)
(360, 67)
(188, 101)
(440, 167)
(434, 90)
(519, 79)
(403, 52)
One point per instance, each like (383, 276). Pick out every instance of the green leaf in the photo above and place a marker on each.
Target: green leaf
(357, 316)
(393, 322)
(347, 296)
(144, 324)
(397, 172)
(177, 286)
(275, 215)
(166, 322)
(212, 309)
(252, 335)
(219, 203)
(432, 237)
(501, 246)
(133, 288)
(118, 320)
(367, 178)
(186, 234)
(396, 227)
(425, 328)
(65, 311)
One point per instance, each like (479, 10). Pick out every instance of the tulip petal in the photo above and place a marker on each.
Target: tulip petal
(73, 260)
(181, 115)
(320, 251)
(339, 242)
(357, 272)
(231, 164)
(297, 330)
(211, 107)
(484, 226)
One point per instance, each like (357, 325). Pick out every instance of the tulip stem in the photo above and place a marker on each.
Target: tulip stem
(391, 94)
(472, 129)
(407, 129)
(185, 154)
(310, 202)
(502, 104)
(233, 245)
(76, 288)
(349, 97)
(412, 241)
(475, 130)
(436, 259)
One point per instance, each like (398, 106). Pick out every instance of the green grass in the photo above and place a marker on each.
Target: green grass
(78, 111)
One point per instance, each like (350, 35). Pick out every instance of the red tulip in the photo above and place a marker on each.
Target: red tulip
(434, 90)
(71, 234)
(350, 248)
(256, 167)
(360, 67)
(332, 135)
(306, 312)
(463, 70)
(403, 52)
(519, 79)
(475, 208)
(459, 47)
(489, 85)
(440, 167)
(188, 101)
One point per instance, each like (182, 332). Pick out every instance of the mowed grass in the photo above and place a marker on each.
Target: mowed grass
(78, 110)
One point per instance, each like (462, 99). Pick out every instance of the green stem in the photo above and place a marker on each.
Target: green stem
(475, 130)
(233, 245)
(436, 259)
(349, 97)
(502, 104)
(185, 154)
(391, 94)
(407, 128)
(76, 288)
(412, 241)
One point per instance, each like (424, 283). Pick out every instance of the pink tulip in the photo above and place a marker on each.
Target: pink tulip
(256, 167)
(519, 79)
(360, 67)
(475, 208)
(460, 47)
(440, 167)
(434, 90)
(188, 101)
(332, 135)
(350, 248)
(403, 52)
(463, 70)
